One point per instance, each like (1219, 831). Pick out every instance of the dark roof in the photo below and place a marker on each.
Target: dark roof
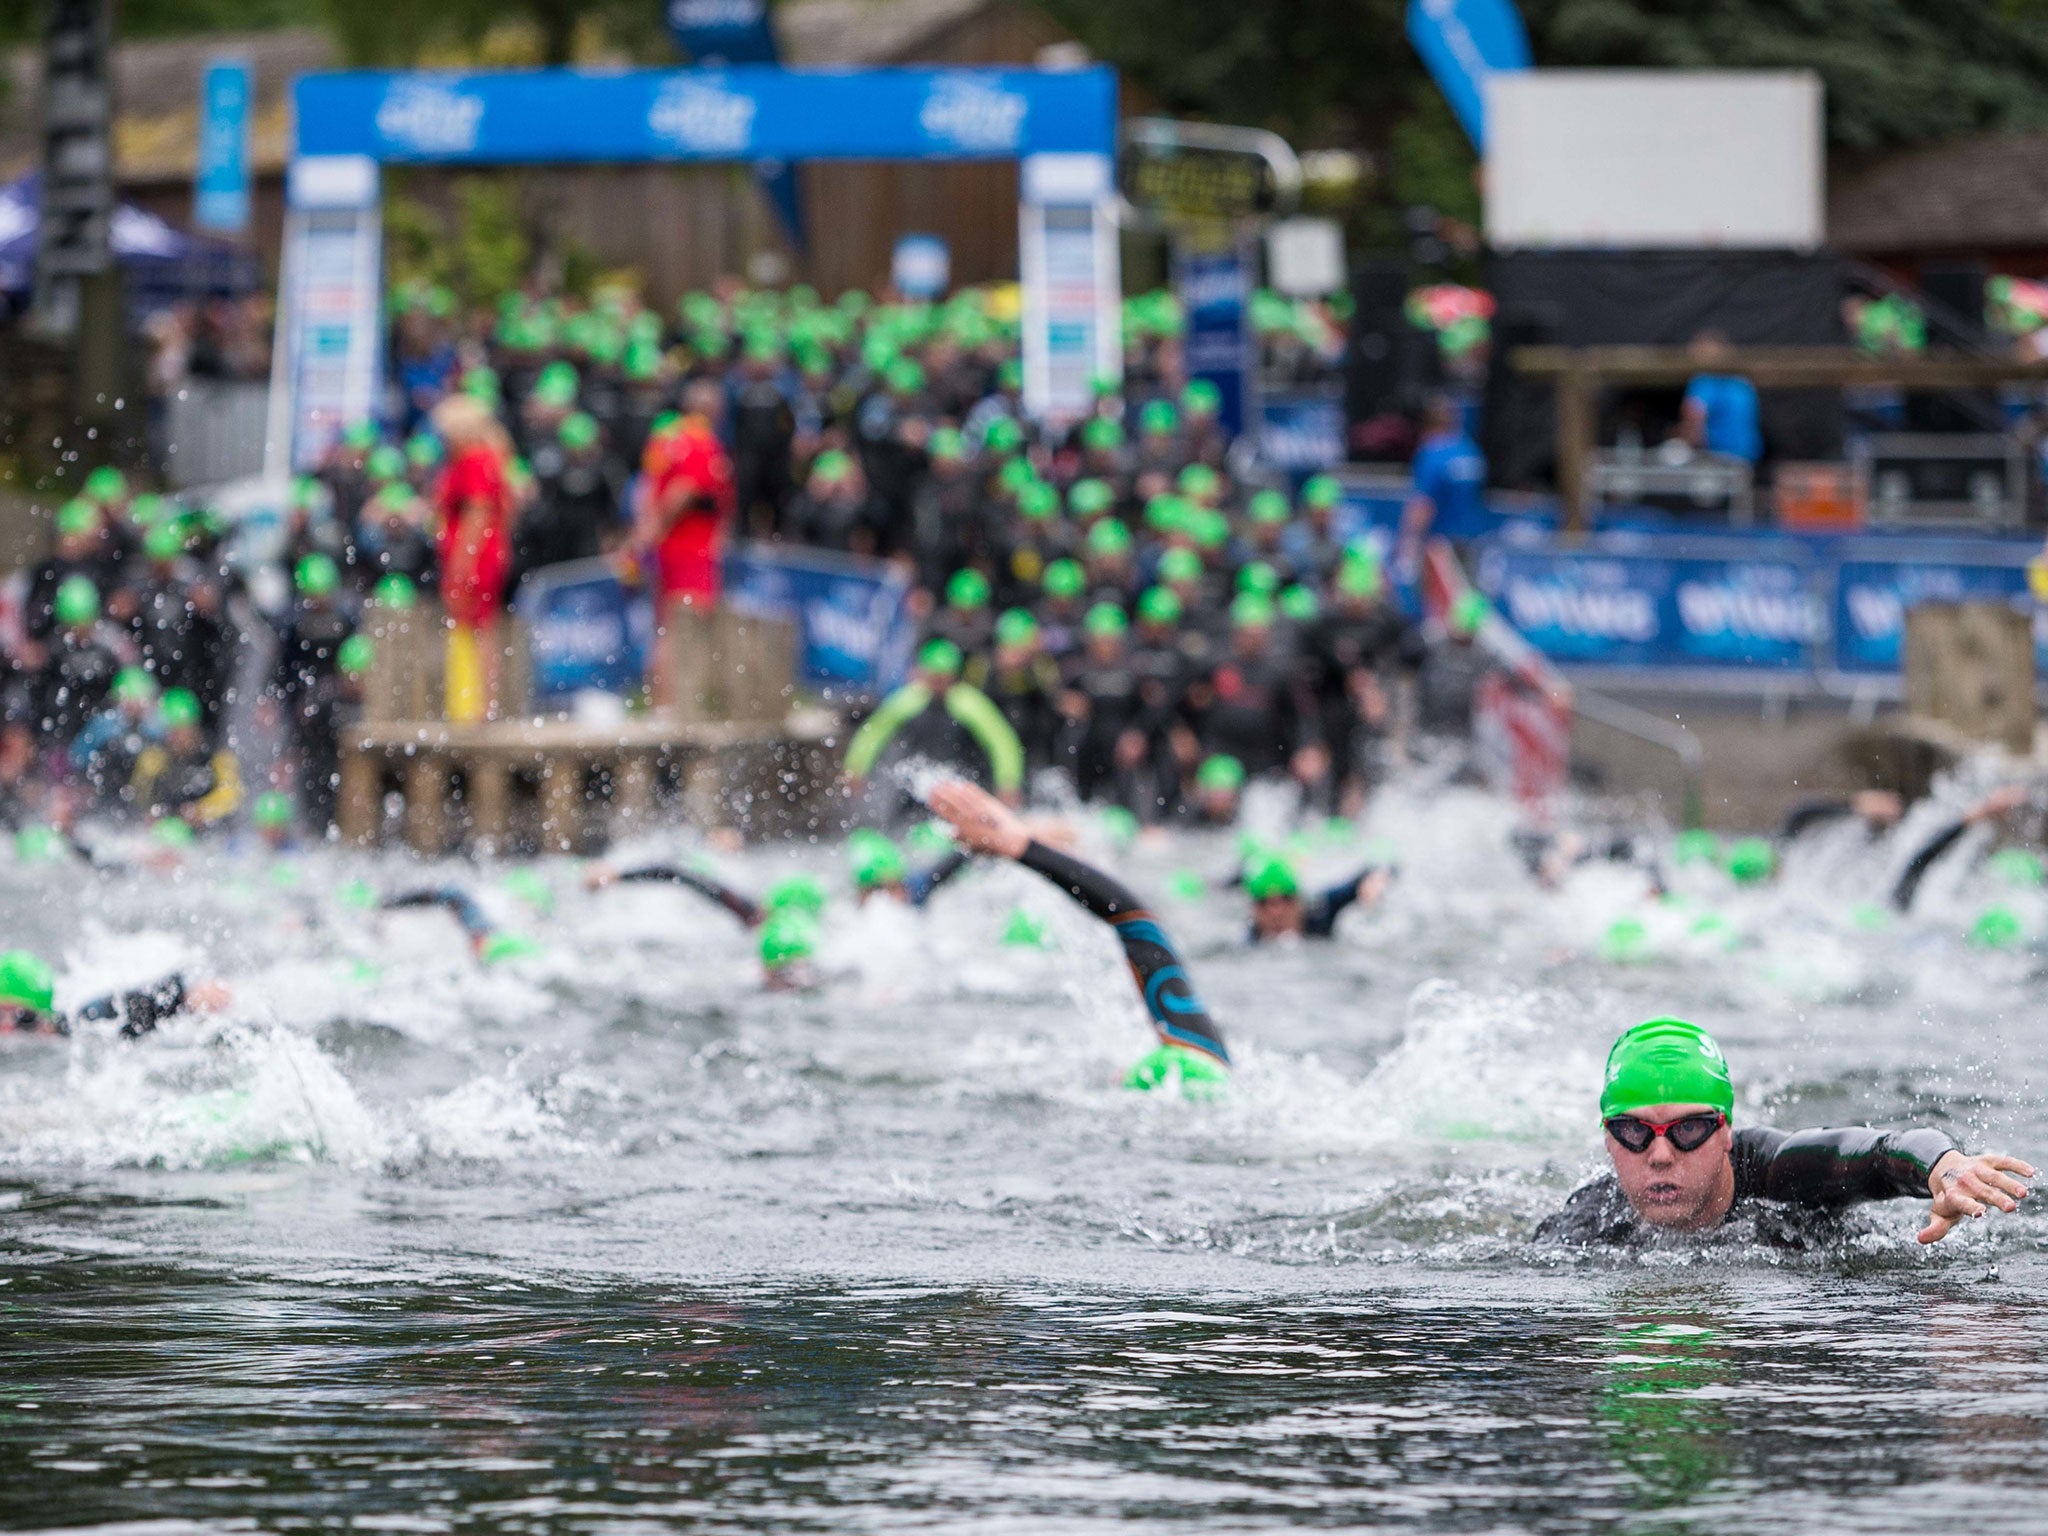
(1983, 193)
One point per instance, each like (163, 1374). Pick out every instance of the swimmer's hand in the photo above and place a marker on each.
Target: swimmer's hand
(208, 996)
(2009, 797)
(1963, 1186)
(979, 820)
(599, 875)
(1373, 885)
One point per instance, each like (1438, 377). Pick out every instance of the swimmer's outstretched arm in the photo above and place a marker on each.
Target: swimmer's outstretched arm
(924, 883)
(142, 1010)
(1367, 887)
(985, 825)
(1833, 1168)
(452, 899)
(1992, 806)
(738, 903)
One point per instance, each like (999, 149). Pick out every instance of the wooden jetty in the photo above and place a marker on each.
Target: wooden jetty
(737, 749)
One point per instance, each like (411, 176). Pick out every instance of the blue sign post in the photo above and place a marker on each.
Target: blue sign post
(220, 180)
(715, 33)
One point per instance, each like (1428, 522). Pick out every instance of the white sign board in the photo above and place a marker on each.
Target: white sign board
(327, 373)
(1073, 291)
(1580, 158)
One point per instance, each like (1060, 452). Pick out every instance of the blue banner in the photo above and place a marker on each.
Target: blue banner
(1461, 42)
(1302, 431)
(1636, 610)
(584, 630)
(1872, 597)
(715, 33)
(1215, 290)
(853, 630)
(743, 113)
(220, 178)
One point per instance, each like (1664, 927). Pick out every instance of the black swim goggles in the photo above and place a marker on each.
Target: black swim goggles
(1688, 1133)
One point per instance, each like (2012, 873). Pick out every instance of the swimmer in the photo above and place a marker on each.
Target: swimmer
(1550, 856)
(28, 990)
(1190, 1047)
(1680, 1166)
(798, 891)
(1878, 809)
(880, 869)
(1279, 910)
(487, 941)
(1994, 805)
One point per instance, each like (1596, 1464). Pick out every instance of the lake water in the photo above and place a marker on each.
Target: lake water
(611, 1240)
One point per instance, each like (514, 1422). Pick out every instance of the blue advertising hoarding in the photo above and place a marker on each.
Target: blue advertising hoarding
(220, 179)
(854, 632)
(1873, 594)
(1301, 431)
(584, 630)
(1215, 291)
(748, 112)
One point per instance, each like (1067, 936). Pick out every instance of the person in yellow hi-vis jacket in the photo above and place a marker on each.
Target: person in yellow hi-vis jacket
(181, 776)
(965, 726)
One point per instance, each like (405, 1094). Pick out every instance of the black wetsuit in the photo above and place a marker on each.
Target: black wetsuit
(1808, 814)
(139, 1011)
(1794, 1183)
(918, 885)
(452, 899)
(1178, 1015)
(1908, 883)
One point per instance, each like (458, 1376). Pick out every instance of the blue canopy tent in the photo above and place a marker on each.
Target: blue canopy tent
(163, 264)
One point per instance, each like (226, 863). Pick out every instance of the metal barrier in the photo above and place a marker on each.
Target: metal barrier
(1659, 734)
(213, 431)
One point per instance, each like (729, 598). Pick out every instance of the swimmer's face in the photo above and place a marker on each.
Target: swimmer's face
(1278, 915)
(1670, 1188)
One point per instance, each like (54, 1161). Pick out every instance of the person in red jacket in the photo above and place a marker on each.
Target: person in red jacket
(686, 503)
(474, 498)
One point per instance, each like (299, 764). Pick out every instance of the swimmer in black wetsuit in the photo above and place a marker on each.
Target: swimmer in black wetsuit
(1990, 808)
(487, 941)
(1679, 1166)
(1279, 909)
(28, 997)
(1190, 1045)
(1878, 809)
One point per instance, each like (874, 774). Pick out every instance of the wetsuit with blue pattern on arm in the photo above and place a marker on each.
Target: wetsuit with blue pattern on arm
(1178, 1014)
(452, 899)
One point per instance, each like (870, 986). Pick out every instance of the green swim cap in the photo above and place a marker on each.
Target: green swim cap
(796, 893)
(1102, 435)
(1186, 885)
(75, 517)
(968, 588)
(1625, 941)
(359, 894)
(1038, 502)
(1016, 627)
(531, 887)
(317, 575)
(1995, 928)
(1198, 1076)
(1179, 565)
(26, 981)
(1751, 860)
(384, 464)
(578, 431)
(1666, 1061)
(2016, 867)
(1359, 577)
(106, 484)
(1695, 847)
(1108, 539)
(1469, 613)
(1299, 604)
(1120, 825)
(180, 709)
(876, 860)
(1268, 506)
(941, 656)
(164, 541)
(1089, 497)
(171, 832)
(507, 946)
(1016, 476)
(1002, 435)
(1221, 772)
(1258, 577)
(1251, 611)
(1105, 620)
(1322, 491)
(788, 936)
(1065, 579)
(1160, 605)
(132, 685)
(1023, 931)
(77, 602)
(1198, 480)
(396, 591)
(931, 839)
(1158, 418)
(355, 655)
(272, 810)
(1267, 875)
(38, 844)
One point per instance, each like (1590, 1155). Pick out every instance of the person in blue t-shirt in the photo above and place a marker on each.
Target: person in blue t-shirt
(1719, 414)
(1448, 494)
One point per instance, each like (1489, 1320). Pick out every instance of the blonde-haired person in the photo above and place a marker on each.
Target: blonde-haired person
(474, 500)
